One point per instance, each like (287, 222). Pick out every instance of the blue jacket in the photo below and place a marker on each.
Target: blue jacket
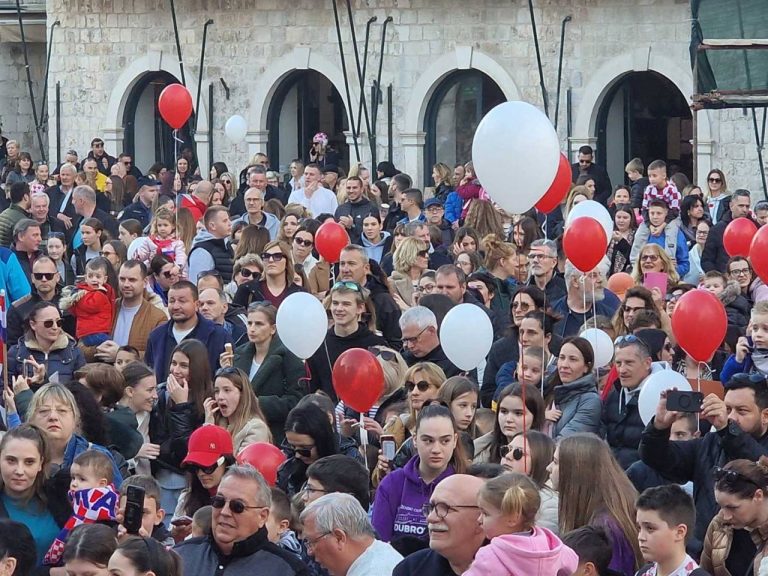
(162, 342)
(571, 323)
(453, 205)
(12, 277)
(64, 357)
(681, 251)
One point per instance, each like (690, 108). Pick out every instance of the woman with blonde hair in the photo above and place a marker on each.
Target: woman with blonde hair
(581, 463)
(186, 228)
(235, 407)
(653, 258)
(288, 226)
(577, 195)
(500, 262)
(276, 283)
(253, 239)
(410, 260)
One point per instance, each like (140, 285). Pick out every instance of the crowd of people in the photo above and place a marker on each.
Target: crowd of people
(144, 357)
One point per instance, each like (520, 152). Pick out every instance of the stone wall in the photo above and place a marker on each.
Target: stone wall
(15, 108)
(104, 45)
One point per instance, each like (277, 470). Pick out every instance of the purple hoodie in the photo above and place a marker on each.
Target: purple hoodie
(538, 554)
(398, 502)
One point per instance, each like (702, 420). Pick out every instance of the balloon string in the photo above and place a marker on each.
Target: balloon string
(525, 429)
(308, 377)
(544, 348)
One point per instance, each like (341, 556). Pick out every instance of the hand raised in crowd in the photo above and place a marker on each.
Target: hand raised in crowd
(66, 219)
(384, 465)
(226, 359)
(664, 419)
(346, 221)
(715, 411)
(178, 389)
(211, 408)
(38, 371)
(9, 399)
(20, 383)
(149, 451)
(743, 349)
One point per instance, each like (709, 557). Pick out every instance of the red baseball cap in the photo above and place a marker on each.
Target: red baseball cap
(207, 444)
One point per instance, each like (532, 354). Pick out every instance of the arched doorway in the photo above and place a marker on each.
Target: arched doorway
(147, 137)
(645, 116)
(305, 103)
(455, 109)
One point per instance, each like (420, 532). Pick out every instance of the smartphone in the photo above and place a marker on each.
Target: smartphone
(656, 280)
(134, 509)
(679, 401)
(29, 369)
(181, 521)
(388, 446)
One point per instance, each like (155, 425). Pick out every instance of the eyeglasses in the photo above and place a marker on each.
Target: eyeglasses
(517, 453)
(309, 489)
(50, 323)
(524, 306)
(537, 256)
(312, 542)
(422, 385)
(348, 285)
(649, 258)
(732, 476)
(441, 509)
(272, 256)
(248, 273)
(306, 243)
(423, 253)
(715, 180)
(633, 309)
(668, 347)
(740, 272)
(702, 232)
(305, 451)
(428, 288)
(383, 353)
(44, 275)
(235, 505)
(412, 339)
(226, 181)
(194, 468)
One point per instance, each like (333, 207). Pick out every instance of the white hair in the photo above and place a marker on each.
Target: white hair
(38, 195)
(420, 316)
(338, 511)
(248, 472)
(86, 193)
(68, 167)
(571, 270)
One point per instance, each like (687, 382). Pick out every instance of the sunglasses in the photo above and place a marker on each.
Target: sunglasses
(731, 477)
(194, 468)
(228, 371)
(517, 453)
(649, 258)
(422, 385)
(423, 253)
(50, 323)
(715, 180)
(301, 242)
(348, 285)
(170, 274)
(248, 273)
(235, 505)
(44, 275)
(383, 353)
(273, 257)
(743, 379)
(304, 451)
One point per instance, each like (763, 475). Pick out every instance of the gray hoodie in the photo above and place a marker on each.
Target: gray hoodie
(272, 224)
(375, 251)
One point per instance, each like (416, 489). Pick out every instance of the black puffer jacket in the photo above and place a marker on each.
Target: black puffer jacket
(170, 426)
(622, 429)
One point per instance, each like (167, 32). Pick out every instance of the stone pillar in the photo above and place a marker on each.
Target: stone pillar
(413, 152)
(113, 142)
(575, 143)
(203, 144)
(704, 157)
(257, 142)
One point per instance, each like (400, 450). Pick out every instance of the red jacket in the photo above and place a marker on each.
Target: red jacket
(94, 310)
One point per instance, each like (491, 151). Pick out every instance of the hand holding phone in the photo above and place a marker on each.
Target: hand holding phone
(680, 401)
(134, 509)
(388, 447)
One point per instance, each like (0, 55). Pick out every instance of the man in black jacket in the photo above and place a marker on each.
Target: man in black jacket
(586, 166)
(357, 207)
(421, 341)
(104, 160)
(84, 201)
(714, 256)
(256, 178)
(141, 210)
(354, 266)
(740, 424)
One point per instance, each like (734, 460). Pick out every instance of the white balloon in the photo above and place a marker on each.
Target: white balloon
(654, 386)
(515, 138)
(302, 324)
(593, 210)
(602, 346)
(236, 128)
(466, 335)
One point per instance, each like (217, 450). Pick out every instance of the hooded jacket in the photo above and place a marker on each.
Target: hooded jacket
(322, 361)
(358, 211)
(399, 499)
(210, 253)
(271, 223)
(64, 357)
(737, 307)
(525, 555)
(376, 251)
(387, 312)
(580, 405)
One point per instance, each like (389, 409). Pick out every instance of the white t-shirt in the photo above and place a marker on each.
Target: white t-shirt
(123, 325)
(323, 201)
(254, 368)
(181, 334)
(379, 558)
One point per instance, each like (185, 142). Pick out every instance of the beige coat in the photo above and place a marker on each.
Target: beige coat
(255, 430)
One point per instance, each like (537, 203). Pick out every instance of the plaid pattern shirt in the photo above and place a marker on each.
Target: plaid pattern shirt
(669, 194)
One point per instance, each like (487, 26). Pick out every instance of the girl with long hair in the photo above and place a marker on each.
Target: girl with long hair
(93, 235)
(462, 396)
(144, 556)
(620, 247)
(163, 240)
(500, 263)
(594, 491)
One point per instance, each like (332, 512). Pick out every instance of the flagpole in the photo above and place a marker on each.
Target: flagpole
(3, 333)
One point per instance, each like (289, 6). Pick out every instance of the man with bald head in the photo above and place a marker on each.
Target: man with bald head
(198, 201)
(454, 533)
(254, 215)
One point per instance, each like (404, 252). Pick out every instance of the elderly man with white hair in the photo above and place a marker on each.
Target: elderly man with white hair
(421, 340)
(339, 535)
(586, 298)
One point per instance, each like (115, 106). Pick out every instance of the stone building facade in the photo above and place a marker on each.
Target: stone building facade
(626, 78)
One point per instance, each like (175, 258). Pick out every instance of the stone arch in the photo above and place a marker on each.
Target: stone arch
(462, 58)
(643, 59)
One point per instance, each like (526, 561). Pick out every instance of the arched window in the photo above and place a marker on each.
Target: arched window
(644, 116)
(304, 104)
(455, 109)
(148, 139)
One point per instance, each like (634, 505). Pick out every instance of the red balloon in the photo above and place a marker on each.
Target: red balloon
(699, 324)
(758, 253)
(358, 379)
(558, 189)
(330, 240)
(175, 105)
(583, 243)
(738, 235)
(263, 456)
